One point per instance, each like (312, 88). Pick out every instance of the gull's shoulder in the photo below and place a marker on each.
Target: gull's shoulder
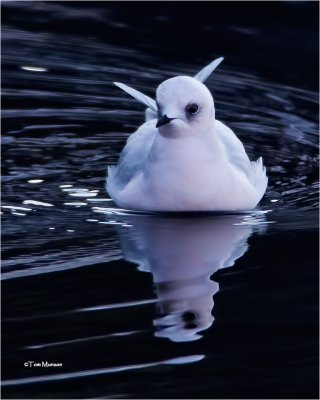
(145, 132)
(133, 156)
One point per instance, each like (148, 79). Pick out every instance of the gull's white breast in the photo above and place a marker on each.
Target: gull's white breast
(205, 173)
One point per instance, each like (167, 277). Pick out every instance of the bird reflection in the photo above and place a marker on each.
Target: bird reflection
(182, 254)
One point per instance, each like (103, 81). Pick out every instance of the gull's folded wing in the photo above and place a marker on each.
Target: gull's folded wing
(234, 149)
(255, 171)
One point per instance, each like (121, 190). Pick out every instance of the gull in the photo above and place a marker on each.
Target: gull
(182, 158)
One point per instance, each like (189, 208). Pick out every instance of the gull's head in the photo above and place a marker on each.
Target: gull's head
(185, 105)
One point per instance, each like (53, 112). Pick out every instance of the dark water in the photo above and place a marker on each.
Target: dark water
(166, 306)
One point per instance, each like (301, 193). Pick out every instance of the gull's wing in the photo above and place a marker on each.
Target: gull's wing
(147, 101)
(137, 148)
(234, 149)
(132, 158)
(255, 171)
(207, 71)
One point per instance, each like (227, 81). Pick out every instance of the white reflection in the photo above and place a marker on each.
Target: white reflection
(182, 254)
(33, 69)
(37, 203)
(35, 180)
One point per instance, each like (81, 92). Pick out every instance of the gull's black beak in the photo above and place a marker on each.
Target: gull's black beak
(163, 120)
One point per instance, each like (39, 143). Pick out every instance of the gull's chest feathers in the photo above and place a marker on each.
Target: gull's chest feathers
(183, 173)
(179, 163)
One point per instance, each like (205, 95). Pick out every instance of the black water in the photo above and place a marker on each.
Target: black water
(142, 306)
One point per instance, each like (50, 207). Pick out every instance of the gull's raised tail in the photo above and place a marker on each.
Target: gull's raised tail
(259, 177)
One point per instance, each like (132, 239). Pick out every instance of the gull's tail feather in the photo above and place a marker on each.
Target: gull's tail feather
(259, 177)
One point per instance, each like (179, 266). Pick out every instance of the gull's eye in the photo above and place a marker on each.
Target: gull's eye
(192, 108)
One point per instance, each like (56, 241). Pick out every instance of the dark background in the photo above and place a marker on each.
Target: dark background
(277, 39)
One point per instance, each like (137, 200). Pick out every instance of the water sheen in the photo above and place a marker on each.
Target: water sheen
(139, 305)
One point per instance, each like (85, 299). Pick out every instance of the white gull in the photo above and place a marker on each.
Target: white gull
(182, 158)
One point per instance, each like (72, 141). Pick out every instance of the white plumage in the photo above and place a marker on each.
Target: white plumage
(186, 160)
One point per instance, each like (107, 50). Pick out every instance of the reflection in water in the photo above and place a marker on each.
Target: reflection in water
(182, 254)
